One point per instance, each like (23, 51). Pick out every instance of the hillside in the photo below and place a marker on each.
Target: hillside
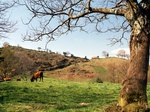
(64, 67)
(99, 70)
(19, 59)
(48, 60)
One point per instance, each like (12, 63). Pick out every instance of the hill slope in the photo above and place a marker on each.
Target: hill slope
(47, 60)
(71, 67)
(106, 69)
(27, 60)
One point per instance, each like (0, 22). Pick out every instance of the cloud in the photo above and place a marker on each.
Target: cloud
(115, 51)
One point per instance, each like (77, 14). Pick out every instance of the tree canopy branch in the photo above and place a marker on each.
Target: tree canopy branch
(70, 15)
(6, 26)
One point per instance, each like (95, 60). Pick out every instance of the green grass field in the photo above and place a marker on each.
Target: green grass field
(57, 96)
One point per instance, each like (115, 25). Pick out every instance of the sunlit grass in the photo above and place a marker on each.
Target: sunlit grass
(57, 95)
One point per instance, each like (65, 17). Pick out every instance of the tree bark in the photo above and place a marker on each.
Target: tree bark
(133, 94)
(133, 97)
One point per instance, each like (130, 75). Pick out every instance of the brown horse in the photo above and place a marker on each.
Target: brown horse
(36, 75)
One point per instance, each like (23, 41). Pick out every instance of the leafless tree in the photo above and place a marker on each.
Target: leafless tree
(121, 53)
(113, 73)
(105, 54)
(24, 65)
(58, 17)
(6, 26)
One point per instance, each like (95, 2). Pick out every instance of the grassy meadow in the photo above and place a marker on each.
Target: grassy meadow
(54, 95)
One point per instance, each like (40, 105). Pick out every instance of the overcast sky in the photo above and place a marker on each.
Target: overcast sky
(78, 43)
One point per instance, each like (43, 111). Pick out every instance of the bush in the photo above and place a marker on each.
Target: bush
(99, 80)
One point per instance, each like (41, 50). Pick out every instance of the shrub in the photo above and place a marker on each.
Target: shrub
(99, 80)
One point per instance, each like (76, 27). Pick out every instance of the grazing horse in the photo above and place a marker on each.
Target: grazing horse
(36, 75)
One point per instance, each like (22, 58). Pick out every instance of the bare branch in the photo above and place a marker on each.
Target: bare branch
(6, 26)
(58, 17)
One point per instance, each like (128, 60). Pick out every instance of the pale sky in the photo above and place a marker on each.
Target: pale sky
(77, 43)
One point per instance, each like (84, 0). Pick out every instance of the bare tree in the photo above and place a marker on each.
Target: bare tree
(105, 54)
(122, 68)
(131, 15)
(6, 26)
(121, 53)
(24, 65)
(113, 73)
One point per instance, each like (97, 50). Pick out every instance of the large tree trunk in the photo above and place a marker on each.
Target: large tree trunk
(133, 94)
(133, 97)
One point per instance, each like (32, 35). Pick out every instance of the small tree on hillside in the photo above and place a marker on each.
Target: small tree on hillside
(5, 44)
(1, 58)
(123, 68)
(117, 71)
(24, 65)
(8, 65)
(113, 73)
(105, 54)
(39, 48)
(121, 53)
